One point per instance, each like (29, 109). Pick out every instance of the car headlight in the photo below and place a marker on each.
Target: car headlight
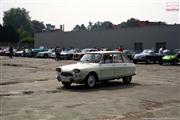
(75, 71)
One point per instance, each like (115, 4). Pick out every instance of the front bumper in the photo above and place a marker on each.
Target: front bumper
(76, 78)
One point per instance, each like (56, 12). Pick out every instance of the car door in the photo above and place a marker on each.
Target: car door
(120, 65)
(106, 69)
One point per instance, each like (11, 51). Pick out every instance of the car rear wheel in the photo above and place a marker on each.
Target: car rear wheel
(91, 81)
(161, 62)
(148, 61)
(45, 56)
(134, 61)
(127, 79)
(66, 84)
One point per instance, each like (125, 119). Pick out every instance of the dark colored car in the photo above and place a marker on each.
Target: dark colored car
(147, 56)
(129, 53)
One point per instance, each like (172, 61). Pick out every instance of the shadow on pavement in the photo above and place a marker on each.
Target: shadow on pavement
(111, 85)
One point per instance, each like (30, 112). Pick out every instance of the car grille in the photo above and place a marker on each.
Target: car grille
(66, 74)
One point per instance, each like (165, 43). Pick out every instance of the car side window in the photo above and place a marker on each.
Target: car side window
(117, 58)
(107, 58)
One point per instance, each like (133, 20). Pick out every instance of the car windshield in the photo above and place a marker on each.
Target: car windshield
(91, 58)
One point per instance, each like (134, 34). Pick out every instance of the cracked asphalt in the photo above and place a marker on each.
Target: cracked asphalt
(29, 91)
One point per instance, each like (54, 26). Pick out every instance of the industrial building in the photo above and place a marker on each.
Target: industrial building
(136, 38)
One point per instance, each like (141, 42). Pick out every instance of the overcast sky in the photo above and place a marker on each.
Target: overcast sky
(72, 12)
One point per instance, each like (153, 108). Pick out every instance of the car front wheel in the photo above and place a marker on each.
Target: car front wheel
(90, 81)
(127, 79)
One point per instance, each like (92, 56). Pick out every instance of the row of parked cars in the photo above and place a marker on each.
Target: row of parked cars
(147, 55)
(42, 52)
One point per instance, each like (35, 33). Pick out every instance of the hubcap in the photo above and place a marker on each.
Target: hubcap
(91, 81)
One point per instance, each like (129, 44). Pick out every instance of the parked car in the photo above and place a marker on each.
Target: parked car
(7, 52)
(21, 53)
(147, 56)
(45, 54)
(97, 66)
(79, 55)
(33, 52)
(3, 51)
(66, 55)
(130, 54)
(172, 58)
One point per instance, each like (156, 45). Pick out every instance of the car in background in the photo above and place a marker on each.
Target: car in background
(129, 53)
(66, 55)
(97, 66)
(21, 53)
(3, 51)
(7, 52)
(34, 52)
(171, 58)
(147, 56)
(45, 54)
(80, 54)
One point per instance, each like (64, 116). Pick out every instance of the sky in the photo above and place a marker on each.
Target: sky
(73, 12)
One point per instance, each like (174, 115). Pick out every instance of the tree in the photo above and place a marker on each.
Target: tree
(8, 34)
(89, 26)
(18, 18)
(79, 28)
(102, 26)
(37, 26)
(24, 36)
(20, 22)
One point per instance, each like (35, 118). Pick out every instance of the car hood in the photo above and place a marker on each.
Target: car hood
(169, 57)
(64, 52)
(19, 51)
(78, 65)
(140, 54)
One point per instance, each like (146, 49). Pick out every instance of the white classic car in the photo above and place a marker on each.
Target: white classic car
(97, 66)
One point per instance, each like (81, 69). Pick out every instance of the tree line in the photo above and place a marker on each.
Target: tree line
(107, 25)
(18, 26)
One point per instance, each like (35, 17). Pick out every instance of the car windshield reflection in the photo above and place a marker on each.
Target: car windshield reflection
(91, 58)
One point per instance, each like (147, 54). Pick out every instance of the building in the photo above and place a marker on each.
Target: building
(136, 38)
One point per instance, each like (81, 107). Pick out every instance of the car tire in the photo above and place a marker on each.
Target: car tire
(135, 61)
(127, 79)
(66, 84)
(174, 62)
(45, 56)
(91, 80)
(161, 62)
(148, 61)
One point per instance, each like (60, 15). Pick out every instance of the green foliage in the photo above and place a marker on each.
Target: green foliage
(37, 26)
(96, 27)
(18, 18)
(8, 34)
(79, 28)
(19, 21)
(107, 25)
(24, 36)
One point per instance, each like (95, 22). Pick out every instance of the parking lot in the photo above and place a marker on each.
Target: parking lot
(29, 91)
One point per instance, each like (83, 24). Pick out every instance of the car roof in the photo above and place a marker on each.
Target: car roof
(105, 52)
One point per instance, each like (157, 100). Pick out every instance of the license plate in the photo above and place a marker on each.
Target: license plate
(65, 78)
